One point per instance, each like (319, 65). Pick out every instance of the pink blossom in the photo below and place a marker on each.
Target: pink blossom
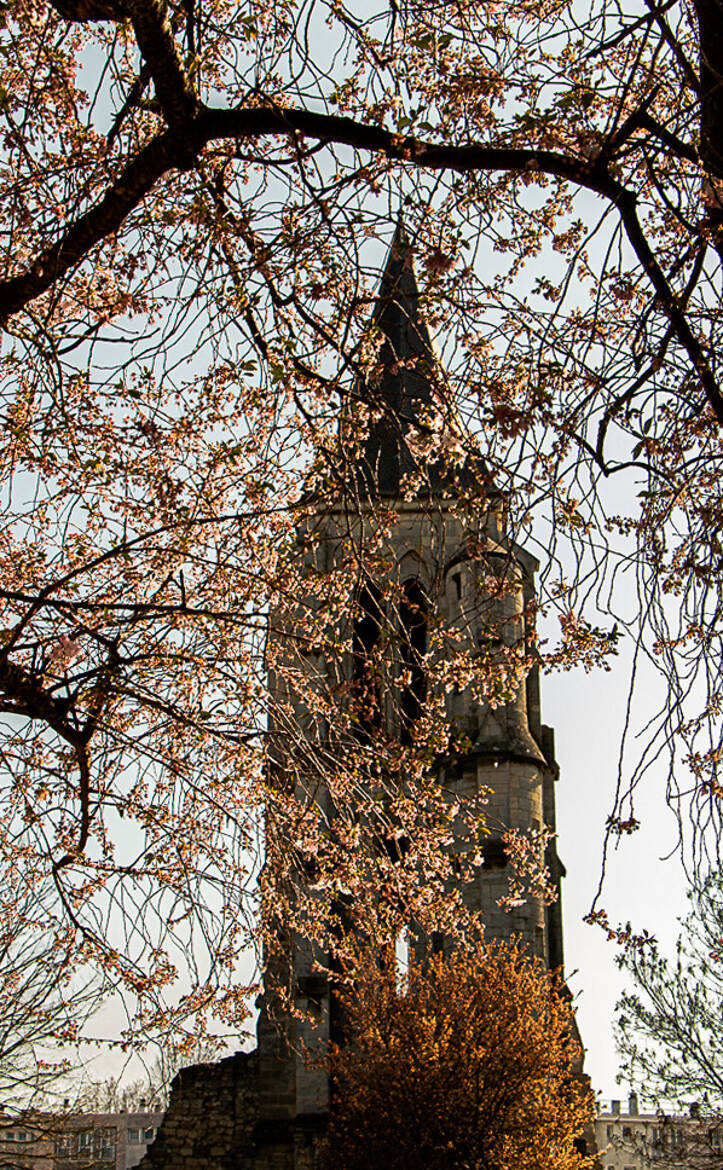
(65, 650)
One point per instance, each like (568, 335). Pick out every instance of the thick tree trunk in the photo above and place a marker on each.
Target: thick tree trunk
(710, 27)
(710, 31)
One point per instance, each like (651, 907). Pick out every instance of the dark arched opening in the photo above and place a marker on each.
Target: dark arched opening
(413, 620)
(365, 670)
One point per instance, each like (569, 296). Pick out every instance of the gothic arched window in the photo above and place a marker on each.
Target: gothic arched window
(365, 672)
(413, 621)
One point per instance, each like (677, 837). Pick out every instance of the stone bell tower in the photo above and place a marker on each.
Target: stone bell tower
(457, 575)
(479, 586)
(509, 751)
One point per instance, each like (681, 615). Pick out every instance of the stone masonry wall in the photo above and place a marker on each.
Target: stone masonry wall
(211, 1117)
(213, 1123)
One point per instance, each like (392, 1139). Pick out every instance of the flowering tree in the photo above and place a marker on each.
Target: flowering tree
(196, 199)
(470, 1063)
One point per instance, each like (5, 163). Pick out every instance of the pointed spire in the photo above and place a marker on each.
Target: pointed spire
(400, 387)
(406, 335)
(405, 372)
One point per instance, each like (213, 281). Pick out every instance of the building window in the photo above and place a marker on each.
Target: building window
(494, 856)
(98, 1143)
(138, 1135)
(610, 1132)
(627, 1133)
(65, 1145)
(105, 1143)
(365, 642)
(413, 620)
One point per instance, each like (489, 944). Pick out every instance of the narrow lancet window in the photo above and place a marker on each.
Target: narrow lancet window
(366, 679)
(413, 621)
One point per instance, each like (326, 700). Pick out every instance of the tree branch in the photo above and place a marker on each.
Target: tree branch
(671, 41)
(156, 42)
(25, 691)
(86, 11)
(126, 193)
(175, 150)
(671, 305)
(675, 144)
(72, 855)
(135, 93)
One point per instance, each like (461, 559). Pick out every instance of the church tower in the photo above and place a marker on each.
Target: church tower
(403, 565)
(476, 588)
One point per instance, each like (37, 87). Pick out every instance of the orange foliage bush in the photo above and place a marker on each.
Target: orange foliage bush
(469, 1064)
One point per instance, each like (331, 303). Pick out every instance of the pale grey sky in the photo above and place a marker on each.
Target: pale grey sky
(587, 712)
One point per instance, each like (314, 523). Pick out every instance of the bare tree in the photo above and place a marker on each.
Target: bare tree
(45, 1001)
(669, 1026)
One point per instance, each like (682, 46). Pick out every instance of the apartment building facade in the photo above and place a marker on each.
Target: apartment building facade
(629, 1139)
(76, 1141)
